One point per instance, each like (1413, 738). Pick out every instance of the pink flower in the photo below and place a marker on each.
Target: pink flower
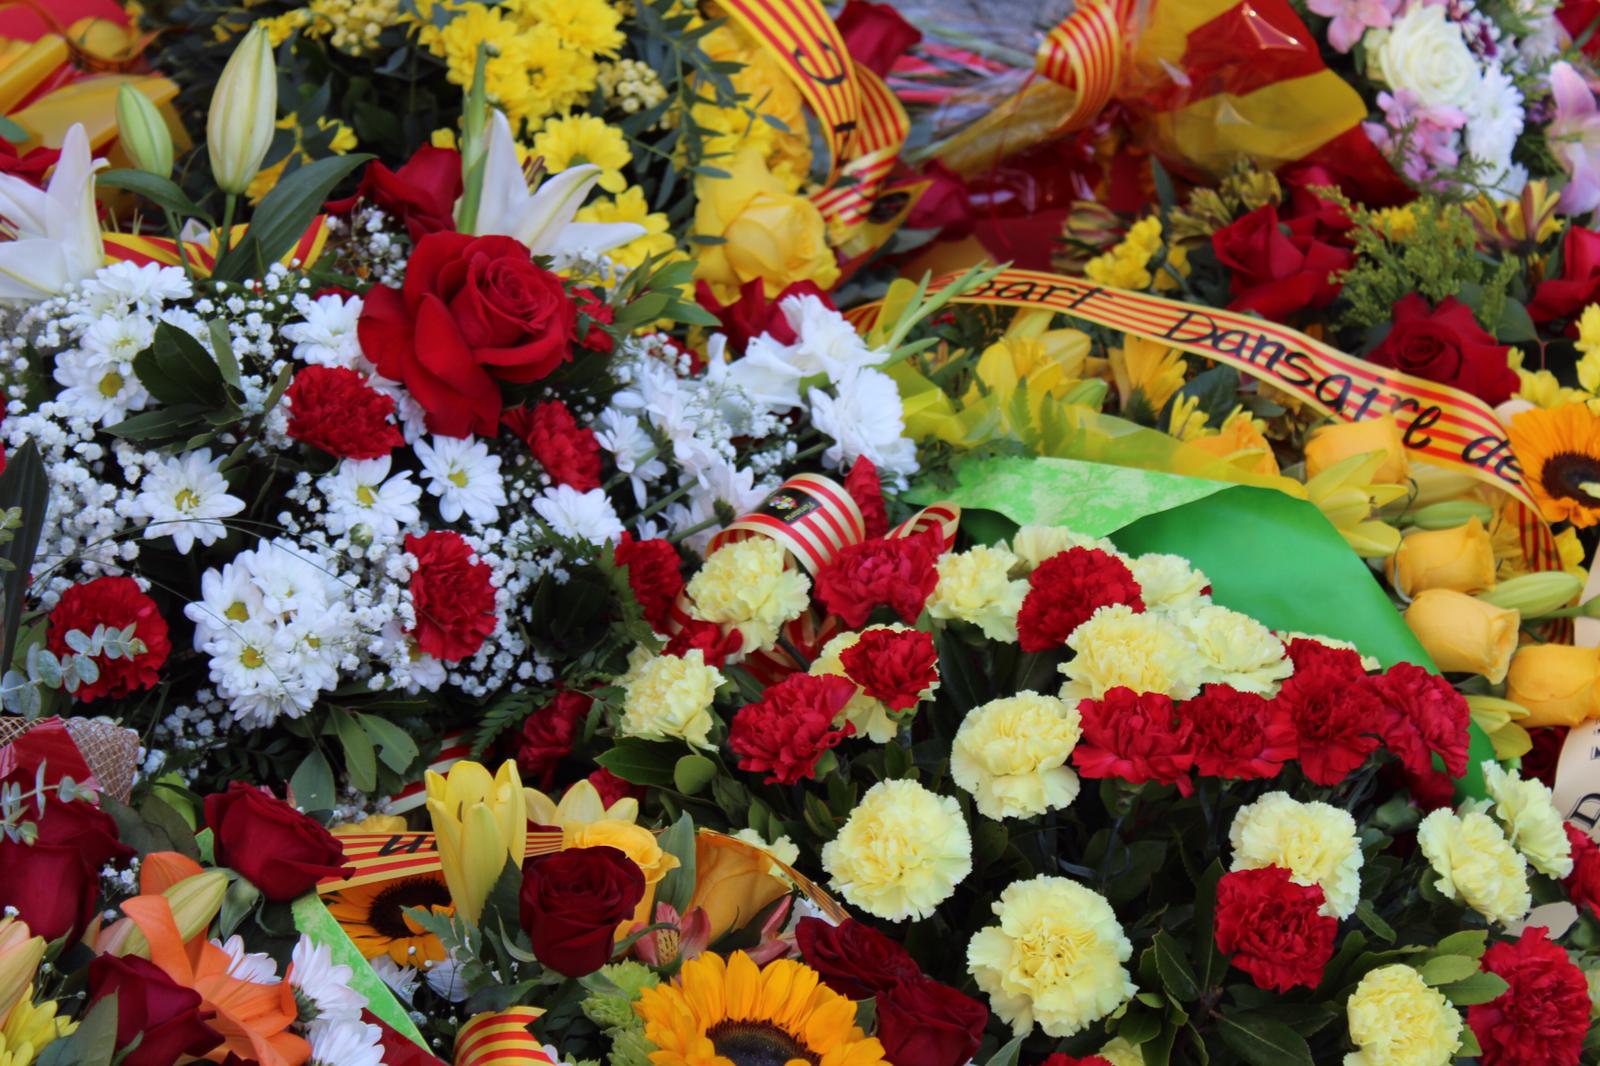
(686, 940)
(1425, 135)
(1352, 18)
(774, 943)
(1574, 137)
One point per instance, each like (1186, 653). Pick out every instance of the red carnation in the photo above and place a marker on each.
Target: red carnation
(1307, 654)
(715, 645)
(116, 603)
(1578, 286)
(1135, 737)
(548, 735)
(653, 575)
(1542, 1018)
(568, 452)
(894, 666)
(613, 788)
(1429, 791)
(1583, 884)
(1423, 715)
(452, 595)
(1336, 713)
(1238, 735)
(1068, 587)
(599, 314)
(336, 410)
(892, 572)
(1273, 928)
(788, 731)
(864, 487)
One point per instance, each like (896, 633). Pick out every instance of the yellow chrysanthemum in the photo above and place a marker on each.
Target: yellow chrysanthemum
(1120, 648)
(29, 1029)
(1476, 864)
(1168, 583)
(1527, 811)
(1148, 368)
(1034, 544)
(1055, 959)
(1395, 223)
(1315, 842)
(717, 1012)
(591, 26)
(976, 586)
(901, 853)
(574, 139)
(669, 697)
(1237, 650)
(746, 584)
(1011, 754)
(629, 206)
(1395, 1019)
(1127, 266)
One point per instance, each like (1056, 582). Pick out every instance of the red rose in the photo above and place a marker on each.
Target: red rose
(1423, 715)
(54, 882)
(752, 314)
(713, 644)
(1238, 735)
(573, 901)
(1327, 220)
(452, 595)
(1583, 883)
(1068, 587)
(945, 205)
(336, 410)
(1446, 344)
(165, 1017)
(1579, 284)
(893, 666)
(653, 575)
(548, 735)
(1542, 1018)
(116, 603)
(1061, 1058)
(894, 572)
(1336, 713)
(854, 959)
(875, 35)
(1273, 928)
(1135, 737)
(279, 850)
(788, 731)
(864, 487)
(929, 1023)
(475, 311)
(1276, 273)
(1540, 761)
(613, 788)
(599, 315)
(569, 453)
(422, 193)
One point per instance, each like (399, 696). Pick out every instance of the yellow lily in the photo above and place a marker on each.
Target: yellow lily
(479, 822)
(1347, 496)
(1146, 368)
(20, 954)
(580, 806)
(1499, 720)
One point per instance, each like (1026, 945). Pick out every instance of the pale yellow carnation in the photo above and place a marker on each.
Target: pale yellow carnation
(1055, 959)
(1237, 650)
(746, 585)
(871, 717)
(976, 586)
(1034, 544)
(1395, 1019)
(901, 853)
(1169, 583)
(1476, 864)
(1119, 1052)
(1315, 842)
(668, 697)
(1011, 754)
(1118, 647)
(1527, 811)
(783, 849)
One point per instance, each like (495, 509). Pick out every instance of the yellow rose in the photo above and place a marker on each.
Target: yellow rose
(767, 232)
(1558, 683)
(1464, 635)
(1461, 559)
(733, 881)
(1339, 440)
(372, 823)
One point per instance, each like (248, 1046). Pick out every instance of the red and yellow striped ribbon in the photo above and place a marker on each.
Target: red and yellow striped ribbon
(1444, 425)
(883, 130)
(1084, 53)
(501, 1038)
(380, 857)
(132, 248)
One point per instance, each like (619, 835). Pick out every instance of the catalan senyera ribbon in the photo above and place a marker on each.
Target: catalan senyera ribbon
(202, 256)
(881, 134)
(1084, 53)
(501, 1038)
(1443, 425)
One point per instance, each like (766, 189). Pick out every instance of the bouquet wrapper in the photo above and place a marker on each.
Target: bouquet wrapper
(109, 751)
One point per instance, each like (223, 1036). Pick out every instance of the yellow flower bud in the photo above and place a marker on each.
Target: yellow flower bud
(143, 132)
(1461, 559)
(1447, 514)
(244, 112)
(1339, 440)
(1558, 683)
(1532, 595)
(1464, 635)
(194, 901)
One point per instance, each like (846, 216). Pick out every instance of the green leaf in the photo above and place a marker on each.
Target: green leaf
(1467, 942)
(1212, 962)
(1263, 1041)
(395, 746)
(1166, 196)
(1479, 988)
(677, 887)
(359, 758)
(93, 1043)
(312, 783)
(283, 216)
(1448, 969)
(1216, 389)
(1516, 325)
(176, 369)
(161, 814)
(1008, 1053)
(692, 773)
(222, 346)
(13, 132)
(163, 192)
(1139, 1025)
(178, 420)
(1177, 976)
(642, 762)
(1369, 918)
(23, 484)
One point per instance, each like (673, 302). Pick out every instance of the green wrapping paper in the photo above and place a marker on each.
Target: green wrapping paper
(311, 917)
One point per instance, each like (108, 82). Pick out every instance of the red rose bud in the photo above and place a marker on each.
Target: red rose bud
(276, 848)
(1277, 274)
(790, 729)
(475, 312)
(867, 491)
(653, 575)
(1273, 928)
(1446, 344)
(897, 573)
(336, 410)
(929, 1023)
(1135, 737)
(1542, 1018)
(422, 193)
(1423, 716)
(854, 959)
(893, 666)
(1065, 589)
(945, 205)
(875, 35)
(548, 735)
(1238, 735)
(573, 901)
(1336, 711)
(569, 453)
(116, 603)
(161, 1014)
(1061, 1058)
(453, 598)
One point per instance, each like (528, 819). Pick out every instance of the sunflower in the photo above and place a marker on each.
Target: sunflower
(733, 1013)
(374, 916)
(1559, 450)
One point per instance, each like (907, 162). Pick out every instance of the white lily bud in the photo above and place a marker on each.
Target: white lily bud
(143, 132)
(244, 111)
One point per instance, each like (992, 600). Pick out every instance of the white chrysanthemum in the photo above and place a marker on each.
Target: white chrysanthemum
(185, 498)
(465, 477)
(327, 334)
(1169, 583)
(865, 419)
(1236, 650)
(97, 377)
(402, 980)
(1496, 119)
(148, 283)
(825, 341)
(256, 668)
(345, 1043)
(632, 449)
(579, 515)
(735, 487)
(358, 494)
(322, 987)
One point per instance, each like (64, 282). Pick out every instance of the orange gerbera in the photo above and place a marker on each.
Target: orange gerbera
(1559, 450)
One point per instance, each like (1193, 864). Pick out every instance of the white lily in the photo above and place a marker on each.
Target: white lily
(542, 218)
(54, 232)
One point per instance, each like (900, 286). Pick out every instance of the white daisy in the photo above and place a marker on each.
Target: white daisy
(631, 448)
(321, 986)
(228, 597)
(257, 670)
(327, 336)
(185, 498)
(579, 515)
(150, 283)
(358, 495)
(444, 977)
(254, 966)
(464, 476)
(97, 386)
(345, 1043)
(865, 419)
(402, 980)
